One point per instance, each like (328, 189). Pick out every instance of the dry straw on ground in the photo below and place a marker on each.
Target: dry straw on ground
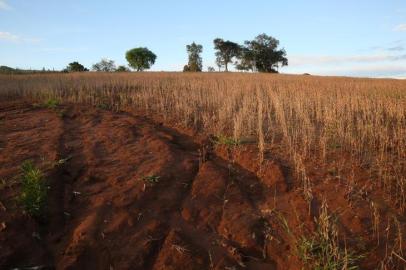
(352, 121)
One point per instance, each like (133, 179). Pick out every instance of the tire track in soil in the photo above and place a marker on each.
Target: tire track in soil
(250, 192)
(186, 144)
(181, 144)
(71, 167)
(175, 209)
(75, 252)
(71, 144)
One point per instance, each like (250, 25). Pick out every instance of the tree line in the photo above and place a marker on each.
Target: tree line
(258, 55)
(9, 70)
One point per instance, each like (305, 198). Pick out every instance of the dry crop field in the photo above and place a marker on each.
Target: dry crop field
(202, 171)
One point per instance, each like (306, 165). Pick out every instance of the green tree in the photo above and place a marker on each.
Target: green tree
(75, 67)
(105, 65)
(246, 60)
(7, 70)
(122, 69)
(210, 69)
(218, 62)
(264, 54)
(140, 58)
(225, 52)
(195, 63)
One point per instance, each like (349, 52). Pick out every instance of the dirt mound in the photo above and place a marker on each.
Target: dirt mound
(128, 193)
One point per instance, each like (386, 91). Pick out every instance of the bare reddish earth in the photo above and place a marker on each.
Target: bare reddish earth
(205, 212)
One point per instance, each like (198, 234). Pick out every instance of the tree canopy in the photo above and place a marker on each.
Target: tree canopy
(262, 54)
(105, 65)
(122, 69)
(195, 63)
(225, 52)
(75, 67)
(140, 58)
(6, 69)
(210, 69)
(246, 60)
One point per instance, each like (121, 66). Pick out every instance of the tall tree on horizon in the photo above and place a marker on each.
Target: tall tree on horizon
(262, 54)
(195, 63)
(246, 60)
(225, 52)
(75, 67)
(140, 58)
(105, 65)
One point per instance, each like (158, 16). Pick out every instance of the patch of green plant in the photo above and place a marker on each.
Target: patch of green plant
(103, 106)
(62, 161)
(151, 179)
(62, 113)
(284, 222)
(321, 250)
(33, 190)
(51, 103)
(3, 183)
(334, 145)
(333, 171)
(318, 254)
(224, 140)
(59, 162)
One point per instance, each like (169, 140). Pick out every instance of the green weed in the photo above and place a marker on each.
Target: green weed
(51, 103)
(62, 161)
(224, 140)
(33, 190)
(321, 251)
(62, 113)
(3, 183)
(103, 106)
(151, 179)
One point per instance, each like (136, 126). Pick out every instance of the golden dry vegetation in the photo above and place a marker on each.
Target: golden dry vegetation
(348, 128)
(363, 120)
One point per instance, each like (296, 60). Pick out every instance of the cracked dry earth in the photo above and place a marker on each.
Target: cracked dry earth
(200, 212)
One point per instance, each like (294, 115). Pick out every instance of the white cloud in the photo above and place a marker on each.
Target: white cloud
(396, 48)
(388, 65)
(4, 5)
(355, 70)
(7, 36)
(299, 60)
(369, 71)
(400, 27)
(62, 50)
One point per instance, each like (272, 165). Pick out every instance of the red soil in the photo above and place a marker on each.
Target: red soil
(207, 211)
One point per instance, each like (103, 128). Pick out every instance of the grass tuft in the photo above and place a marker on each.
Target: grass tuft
(51, 103)
(33, 190)
(224, 140)
(151, 179)
(103, 106)
(321, 251)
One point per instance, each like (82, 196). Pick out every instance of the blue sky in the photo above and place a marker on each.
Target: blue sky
(326, 37)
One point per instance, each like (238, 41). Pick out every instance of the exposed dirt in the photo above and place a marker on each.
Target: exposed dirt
(202, 207)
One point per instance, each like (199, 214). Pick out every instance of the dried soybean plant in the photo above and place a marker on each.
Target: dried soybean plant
(360, 120)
